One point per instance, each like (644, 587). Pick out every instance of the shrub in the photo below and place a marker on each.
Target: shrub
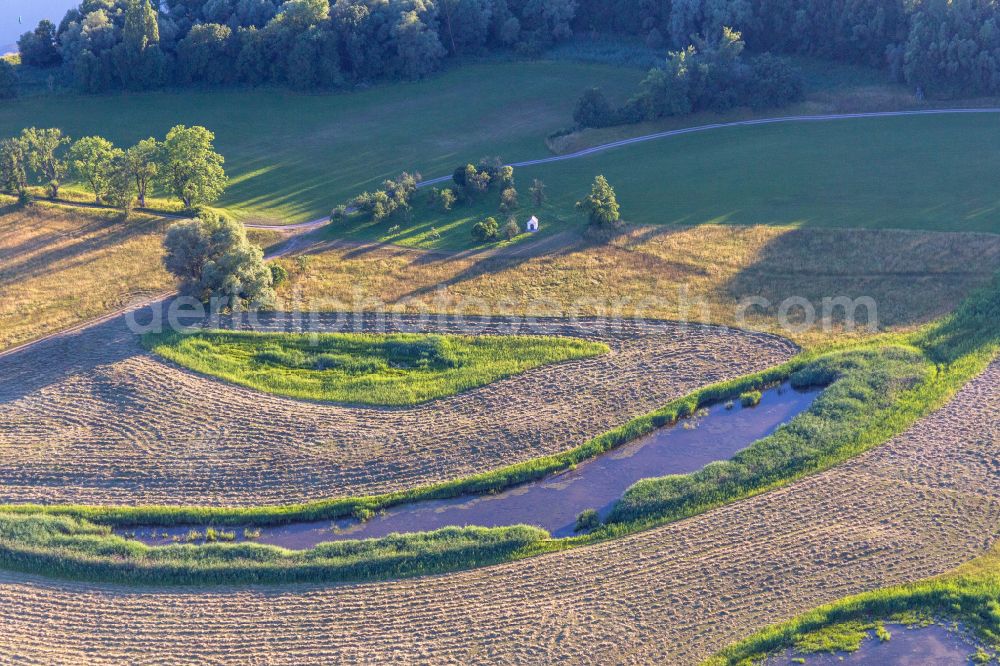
(512, 229)
(508, 200)
(773, 82)
(750, 398)
(279, 274)
(8, 80)
(447, 198)
(594, 110)
(486, 230)
(588, 520)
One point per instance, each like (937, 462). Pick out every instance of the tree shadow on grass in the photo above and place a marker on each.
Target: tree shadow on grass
(28, 371)
(92, 237)
(911, 277)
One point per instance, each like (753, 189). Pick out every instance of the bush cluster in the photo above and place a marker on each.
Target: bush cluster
(709, 75)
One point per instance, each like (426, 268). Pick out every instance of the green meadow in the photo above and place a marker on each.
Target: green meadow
(292, 156)
(386, 370)
(929, 173)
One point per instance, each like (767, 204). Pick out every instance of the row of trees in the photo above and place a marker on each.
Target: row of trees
(184, 165)
(711, 74)
(306, 44)
(945, 46)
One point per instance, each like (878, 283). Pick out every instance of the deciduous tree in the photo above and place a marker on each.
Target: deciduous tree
(601, 205)
(13, 167)
(42, 147)
(143, 161)
(90, 160)
(216, 264)
(191, 169)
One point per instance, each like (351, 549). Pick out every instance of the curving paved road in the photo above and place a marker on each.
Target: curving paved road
(739, 123)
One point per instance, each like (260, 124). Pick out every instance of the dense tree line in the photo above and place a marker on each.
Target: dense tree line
(133, 44)
(944, 46)
(184, 165)
(711, 75)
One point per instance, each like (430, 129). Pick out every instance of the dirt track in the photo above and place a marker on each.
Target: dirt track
(925, 502)
(90, 418)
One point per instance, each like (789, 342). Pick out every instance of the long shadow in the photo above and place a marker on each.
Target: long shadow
(41, 264)
(489, 262)
(28, 371)
(911, 277)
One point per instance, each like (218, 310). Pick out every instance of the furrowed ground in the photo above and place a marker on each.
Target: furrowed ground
(103, 422)
(103, 399)
(922, 504)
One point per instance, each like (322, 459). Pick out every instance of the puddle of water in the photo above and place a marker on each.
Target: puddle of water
(553, 503)
(907, 647)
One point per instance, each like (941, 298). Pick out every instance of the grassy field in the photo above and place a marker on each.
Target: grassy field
(920, 173)
(59, 267)
(699, 273)
(387, 370)
(292, 157)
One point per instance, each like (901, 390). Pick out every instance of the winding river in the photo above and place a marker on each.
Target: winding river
(553, 503)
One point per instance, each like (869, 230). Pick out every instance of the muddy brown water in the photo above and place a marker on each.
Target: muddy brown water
(552, 503)
(922, 646)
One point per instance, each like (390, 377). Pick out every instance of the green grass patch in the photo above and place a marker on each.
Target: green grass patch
(903, 173)
(888, 173)
(292, 156)
(365, 369)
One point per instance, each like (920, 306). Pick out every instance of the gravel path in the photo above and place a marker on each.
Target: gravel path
(90, 418)
(923, 503)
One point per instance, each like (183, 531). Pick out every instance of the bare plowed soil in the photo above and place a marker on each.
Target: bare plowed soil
(90, 418)
(925, 502)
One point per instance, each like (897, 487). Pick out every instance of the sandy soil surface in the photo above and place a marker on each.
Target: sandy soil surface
(90, 418)
(923, 503)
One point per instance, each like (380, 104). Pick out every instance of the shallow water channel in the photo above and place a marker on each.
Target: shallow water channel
(552, 503)
(907, 647)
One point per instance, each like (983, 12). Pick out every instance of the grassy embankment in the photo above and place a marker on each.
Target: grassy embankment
(969, 595)
(385, 370)
(878, 389)
(292, 157)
